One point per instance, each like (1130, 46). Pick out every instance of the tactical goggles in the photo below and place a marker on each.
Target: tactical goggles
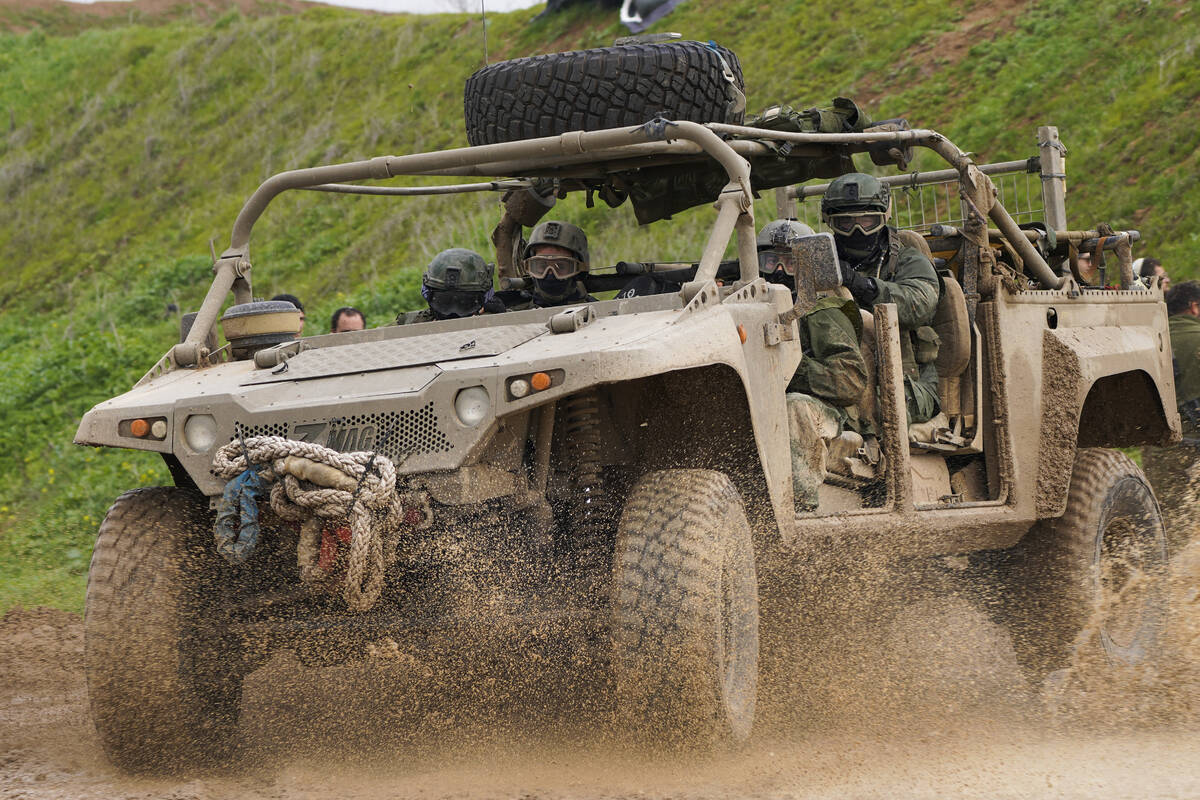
(865, 221)
(455, 302)
(561, 267)
(770, 261)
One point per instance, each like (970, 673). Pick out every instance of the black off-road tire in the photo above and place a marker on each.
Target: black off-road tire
(606, 87)
(1095, 577)
(685, 611)
(164, 676)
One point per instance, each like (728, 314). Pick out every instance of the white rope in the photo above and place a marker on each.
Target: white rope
(375, 515)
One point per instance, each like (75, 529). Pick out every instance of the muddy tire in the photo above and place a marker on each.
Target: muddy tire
(164, 679)
(685, 611)
(1094, 578)
(606, 87)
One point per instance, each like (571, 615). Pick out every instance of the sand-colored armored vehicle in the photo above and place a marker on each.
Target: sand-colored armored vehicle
(622, 464)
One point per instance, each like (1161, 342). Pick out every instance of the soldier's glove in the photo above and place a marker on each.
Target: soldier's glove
(862, 288)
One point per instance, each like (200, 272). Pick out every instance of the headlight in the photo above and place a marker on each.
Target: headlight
(200, 432)
(472, 405)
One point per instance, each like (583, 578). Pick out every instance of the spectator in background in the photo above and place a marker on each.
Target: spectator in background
(1174, 472)
(291, 298)
(347, 318)
(1147, 268)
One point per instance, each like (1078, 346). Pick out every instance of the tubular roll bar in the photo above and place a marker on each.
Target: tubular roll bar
(233, 267)
(735, 209)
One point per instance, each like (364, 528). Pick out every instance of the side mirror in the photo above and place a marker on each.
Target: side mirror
(817, 264)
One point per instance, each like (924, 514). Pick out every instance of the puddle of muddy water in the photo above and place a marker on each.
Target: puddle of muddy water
(930, 704)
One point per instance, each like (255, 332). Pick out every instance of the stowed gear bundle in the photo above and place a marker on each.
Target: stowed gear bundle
(308, 483)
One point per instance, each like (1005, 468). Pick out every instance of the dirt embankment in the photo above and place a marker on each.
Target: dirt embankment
(928, 705)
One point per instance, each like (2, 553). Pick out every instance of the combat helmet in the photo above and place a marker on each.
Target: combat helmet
(855, 191)
(774, 244)
(562, 234)
(781, 233)
(458, 269)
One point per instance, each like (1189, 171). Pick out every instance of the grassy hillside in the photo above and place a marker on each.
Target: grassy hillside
(125, 148)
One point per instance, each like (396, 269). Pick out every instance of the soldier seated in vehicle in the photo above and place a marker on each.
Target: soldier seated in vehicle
(823, 395)
(556, 257)
(457, 283)
(878, 268)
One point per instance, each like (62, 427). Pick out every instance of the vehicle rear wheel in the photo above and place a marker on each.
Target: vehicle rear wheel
(1097, 576)
(601, 88)
(685, 610)
(164, 676)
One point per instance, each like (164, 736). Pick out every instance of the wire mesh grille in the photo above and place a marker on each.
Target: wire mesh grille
(919, 208)
(395, 434)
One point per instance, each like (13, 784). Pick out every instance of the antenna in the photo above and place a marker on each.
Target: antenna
(483, 16)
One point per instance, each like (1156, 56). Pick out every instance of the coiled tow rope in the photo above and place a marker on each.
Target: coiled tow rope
(307, 480)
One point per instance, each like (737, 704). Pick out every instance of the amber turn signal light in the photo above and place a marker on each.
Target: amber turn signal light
(540, 381)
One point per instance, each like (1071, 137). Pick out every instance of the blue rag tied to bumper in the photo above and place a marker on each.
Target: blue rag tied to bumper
(237, 527)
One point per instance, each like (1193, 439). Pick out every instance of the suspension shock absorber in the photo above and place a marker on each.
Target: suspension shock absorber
(582, 428)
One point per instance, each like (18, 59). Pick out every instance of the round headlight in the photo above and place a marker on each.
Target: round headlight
(200, 432)
(518, 388)
(472, 405)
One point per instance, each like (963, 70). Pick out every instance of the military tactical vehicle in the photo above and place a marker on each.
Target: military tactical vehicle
(623, 464)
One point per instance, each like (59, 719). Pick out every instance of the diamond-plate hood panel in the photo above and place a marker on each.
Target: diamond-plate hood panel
(409, 351)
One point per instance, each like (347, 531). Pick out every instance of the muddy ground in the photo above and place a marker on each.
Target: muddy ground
(932, 705)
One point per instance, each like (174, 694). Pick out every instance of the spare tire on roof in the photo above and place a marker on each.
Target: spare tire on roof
(605, 87)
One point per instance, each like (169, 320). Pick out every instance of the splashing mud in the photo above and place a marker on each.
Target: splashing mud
(922, 698)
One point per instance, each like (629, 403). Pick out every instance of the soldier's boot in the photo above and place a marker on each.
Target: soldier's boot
(811, 425)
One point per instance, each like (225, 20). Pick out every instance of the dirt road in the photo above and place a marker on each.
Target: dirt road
(942, 715)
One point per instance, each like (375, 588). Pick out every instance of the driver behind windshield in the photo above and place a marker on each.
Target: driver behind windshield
(456, 284)
(556, 259)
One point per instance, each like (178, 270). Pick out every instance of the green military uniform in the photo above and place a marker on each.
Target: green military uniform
(905, 277)
(878, 268)
(413, 317)
(833, 368)
(1174, 472)
(823, 394)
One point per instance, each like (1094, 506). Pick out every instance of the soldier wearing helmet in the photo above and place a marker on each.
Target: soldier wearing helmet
(823, 395)
(878, 268)
(555, 258)
(834, 369)
(457, 283)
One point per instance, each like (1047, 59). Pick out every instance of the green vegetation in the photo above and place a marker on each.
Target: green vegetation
(126, 144)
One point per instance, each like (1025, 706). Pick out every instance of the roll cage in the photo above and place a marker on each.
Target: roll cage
(583, 160)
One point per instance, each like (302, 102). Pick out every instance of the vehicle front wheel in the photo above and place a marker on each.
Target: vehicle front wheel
(164, 676)
(685, 610)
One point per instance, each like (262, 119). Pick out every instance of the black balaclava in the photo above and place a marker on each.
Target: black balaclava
(551, 290)
(860, 248)
(780, 277)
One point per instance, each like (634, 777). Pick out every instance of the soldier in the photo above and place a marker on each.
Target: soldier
(456, 284)
(1148, 268)
(555, 258)
(878, 268)
(823, 395)
(1174, 472)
